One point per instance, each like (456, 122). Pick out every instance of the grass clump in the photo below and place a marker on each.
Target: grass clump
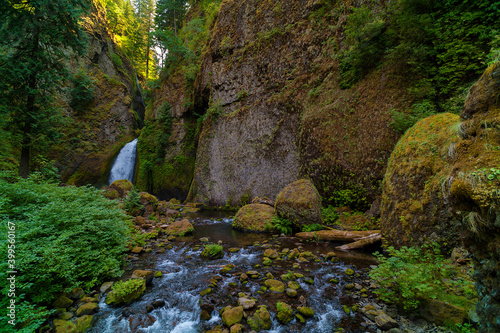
(410, 273)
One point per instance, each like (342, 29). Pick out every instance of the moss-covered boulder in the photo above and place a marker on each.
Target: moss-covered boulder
(275, 285)
(146, 275)
(232, 316)
(83, 323)
(62, 302)
(285, 312)
(179, 228)
(122, 186)
(305, 311)
(254, 217)
(260, 320)
(415, 208)
(64, 326)
(440, 312)
(126, 292)
(87, 309)
(300, 203)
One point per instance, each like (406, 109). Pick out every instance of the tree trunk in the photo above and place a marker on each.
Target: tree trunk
(336, 235)
(360, 243)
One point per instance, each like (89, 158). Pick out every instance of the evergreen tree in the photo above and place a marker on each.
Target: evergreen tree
(35, 36)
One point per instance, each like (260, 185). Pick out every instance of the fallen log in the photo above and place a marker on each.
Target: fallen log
(360, 243)
(263, 201)
(336, 235)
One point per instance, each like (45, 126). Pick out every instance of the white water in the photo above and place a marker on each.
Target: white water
(123, 168)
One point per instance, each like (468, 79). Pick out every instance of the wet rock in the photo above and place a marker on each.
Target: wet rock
(64, 326)
(140, 321)
(300, 203)
(246, 303)
(291, 292)
(254, 217)
(253, 274)
(285, 312)
(232, 316)
(206, 292)
(275, 285)
(226, 269)
(105, 287)
(76, 293)
(305, 311)
(300, 318)
(130, 291)
(122, 187)
(349, 272)
(243, 277)
(66, 316)
(204, 239)
(87, 309)
(147, 275)
(158, 274)
(62, 302)
(302, 300)
(179, 228)
(385, 322)
(346, 309)
(439, 312)
(293, 285)
(236, 328)
(261, 319)
(270, 253)
(149, 308)
(83, 323)
(205, 315)
(137, 249)
(158, 303)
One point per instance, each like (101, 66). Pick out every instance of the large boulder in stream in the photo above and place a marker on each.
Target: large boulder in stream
(255, 218)
(179, 228)
(126, 292)
(300, 203)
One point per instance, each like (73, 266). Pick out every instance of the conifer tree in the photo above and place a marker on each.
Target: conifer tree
(35, 37)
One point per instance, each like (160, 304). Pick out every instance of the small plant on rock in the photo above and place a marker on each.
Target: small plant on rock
(213, 251)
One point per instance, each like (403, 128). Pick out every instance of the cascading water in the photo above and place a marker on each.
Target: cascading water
(124, 165)
(186, 274)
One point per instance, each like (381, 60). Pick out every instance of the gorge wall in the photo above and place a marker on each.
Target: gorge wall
(273, 110)
(95, 132)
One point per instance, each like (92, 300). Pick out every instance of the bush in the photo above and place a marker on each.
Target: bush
(66, 237)
(410, 273)
(133, 201)
(82, 92)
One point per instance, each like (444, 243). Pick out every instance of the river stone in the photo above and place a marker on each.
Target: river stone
(300, 318)
(253, 274)
(246, 303)
(243, 277)
(291, 292)
(62, 302)
(105, 287)
(87, 309)
(226, 269)
(384, 322)
(293, 285)
(285, 312)
(275, 285)
(137, 249)
(76, 293)
(89, 299)
(204, 315)
(179, 228)
(261, 319)
(254, 217)
(300, 203)
(270, 253)
(147, 275)
(140, 321)
(83, 323)
(66, 316)
(236, 328)
(232, 316)
(64, 326)
(305, 311)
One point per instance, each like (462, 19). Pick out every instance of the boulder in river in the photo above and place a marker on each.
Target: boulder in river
(179, 228)
(300, 203)
(285, 312)
(232, 316)
(254, 217)
(126, 292)
(261, 319)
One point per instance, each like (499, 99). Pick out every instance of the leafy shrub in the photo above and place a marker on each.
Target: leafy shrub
(312, 227)
(66, 237)
(83, 89)
(329, 214)
(279, 224)
(410, 273)
(133, 201)
(402, 121)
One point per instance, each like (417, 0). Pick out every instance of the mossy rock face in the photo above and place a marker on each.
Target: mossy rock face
(64, 326)
(122, 186)
(275, 285)
(300, 203)
(440, 312)
(254, 217)
(413, 209)
(126, 292)
(179, 228)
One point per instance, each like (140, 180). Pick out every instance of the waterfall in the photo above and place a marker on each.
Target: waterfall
(124, 165)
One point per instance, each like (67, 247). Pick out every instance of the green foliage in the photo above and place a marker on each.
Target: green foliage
(410, 273)
(133, 201)
(329, 214)
(402, 121)
(312, 227)
(164, 130)
(115, 58)
(66, 237)
(354, 197)
(281, 225)
(82, 92)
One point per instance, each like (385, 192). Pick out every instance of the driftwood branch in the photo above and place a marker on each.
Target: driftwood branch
(360, 243)
(337, 235)
(264, 201)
